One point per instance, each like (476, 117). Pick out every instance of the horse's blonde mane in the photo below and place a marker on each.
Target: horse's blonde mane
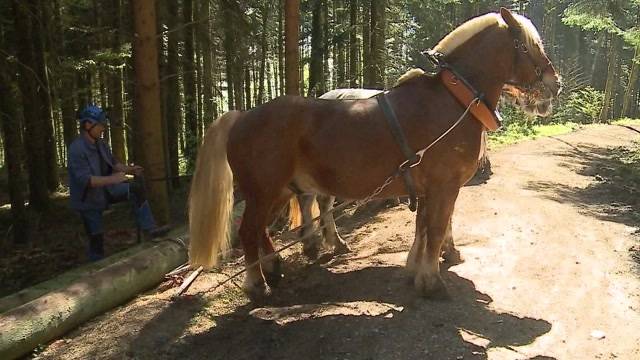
(472, 27)
(409, 75)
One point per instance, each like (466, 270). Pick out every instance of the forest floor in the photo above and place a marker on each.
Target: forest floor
(551, 252)
(58, 240)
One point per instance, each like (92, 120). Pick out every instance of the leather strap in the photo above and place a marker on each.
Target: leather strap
(402, 142)
(464, 94)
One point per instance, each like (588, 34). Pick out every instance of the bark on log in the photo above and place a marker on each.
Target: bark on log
(63, 280)
(51, 315)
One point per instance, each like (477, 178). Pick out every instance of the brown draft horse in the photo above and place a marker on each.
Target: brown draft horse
(330, 236)
(313, 244)
(345, 149)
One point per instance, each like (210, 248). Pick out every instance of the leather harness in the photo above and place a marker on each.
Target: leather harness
(463, 92)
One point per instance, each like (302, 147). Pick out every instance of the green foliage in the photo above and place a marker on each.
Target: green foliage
(517, 132)
(582, 106)
(627, 121)
(590, 16)
(518, 126)
(512, 114)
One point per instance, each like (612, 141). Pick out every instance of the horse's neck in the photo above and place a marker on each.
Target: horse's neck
(484, 68)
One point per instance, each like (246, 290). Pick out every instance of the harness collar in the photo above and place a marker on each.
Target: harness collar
(464, 92)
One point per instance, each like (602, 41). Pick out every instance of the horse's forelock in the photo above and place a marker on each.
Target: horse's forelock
(530, 33)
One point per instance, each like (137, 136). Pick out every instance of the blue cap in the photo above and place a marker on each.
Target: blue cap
(94, 114)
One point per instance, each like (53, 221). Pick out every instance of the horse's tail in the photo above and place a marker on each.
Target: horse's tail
(211, 195)
(295, 213)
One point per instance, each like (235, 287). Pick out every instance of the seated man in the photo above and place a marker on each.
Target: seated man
(96, 180)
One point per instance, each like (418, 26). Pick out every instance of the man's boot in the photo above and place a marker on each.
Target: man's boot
(96, 247)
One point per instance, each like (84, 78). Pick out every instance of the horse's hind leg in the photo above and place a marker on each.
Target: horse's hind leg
(253, 231)
(272, 263)
(434, 220)
(311, 243)
(328, 223)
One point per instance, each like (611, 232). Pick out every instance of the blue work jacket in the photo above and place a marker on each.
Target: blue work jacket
(84, 161)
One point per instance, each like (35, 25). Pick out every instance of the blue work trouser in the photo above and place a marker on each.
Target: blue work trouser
(93, 222)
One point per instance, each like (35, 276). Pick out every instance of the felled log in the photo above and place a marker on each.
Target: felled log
(53, 314)
(63, 280)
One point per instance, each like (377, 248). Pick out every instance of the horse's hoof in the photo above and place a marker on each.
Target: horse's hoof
(311, 252)
(274, 276)
(258, 292)
(431, 287)
(341, 249)
(452, 257)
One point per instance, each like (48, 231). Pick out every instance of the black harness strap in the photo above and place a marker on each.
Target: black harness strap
(401, 140)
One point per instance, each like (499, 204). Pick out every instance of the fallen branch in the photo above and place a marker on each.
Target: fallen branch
(188, 281)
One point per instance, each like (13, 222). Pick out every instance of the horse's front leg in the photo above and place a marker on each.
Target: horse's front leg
(414, 259)
(450, 254)
(433, 220)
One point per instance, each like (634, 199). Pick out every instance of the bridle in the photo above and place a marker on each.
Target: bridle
(522, 48)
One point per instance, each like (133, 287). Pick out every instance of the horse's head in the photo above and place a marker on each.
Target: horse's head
(533, 82)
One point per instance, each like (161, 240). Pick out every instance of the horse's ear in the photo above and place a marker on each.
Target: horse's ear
(511, 21)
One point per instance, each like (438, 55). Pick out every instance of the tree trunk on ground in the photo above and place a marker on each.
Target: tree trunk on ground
(291, 35)
(55, 313)
(189, 81)
(13, 156)
(612, 80)
(148, 106)
(34, 124)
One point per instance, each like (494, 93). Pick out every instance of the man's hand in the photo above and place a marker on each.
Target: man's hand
(118, 177)
(115, 178)
(135, 170)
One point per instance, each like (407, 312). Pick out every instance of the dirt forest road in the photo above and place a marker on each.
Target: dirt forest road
(549, 273)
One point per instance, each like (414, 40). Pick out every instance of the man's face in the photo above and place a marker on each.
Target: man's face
(95, 131)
